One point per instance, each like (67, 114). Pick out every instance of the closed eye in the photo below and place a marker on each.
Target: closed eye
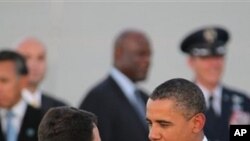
(164, 124)
(149, 123)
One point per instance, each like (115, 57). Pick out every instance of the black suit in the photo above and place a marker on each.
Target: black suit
(117, 118)
(220, 132)
(49, 102)
(29, 126)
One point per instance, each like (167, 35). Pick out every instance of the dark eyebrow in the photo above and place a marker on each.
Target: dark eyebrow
(161, 121)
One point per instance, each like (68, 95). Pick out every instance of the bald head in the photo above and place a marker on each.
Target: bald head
(29, 41)
(132, 54)
(34, 52)
(135, 35)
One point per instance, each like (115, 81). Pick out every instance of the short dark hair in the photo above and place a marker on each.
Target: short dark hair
(17, 59)
(67, 124)
(188, 96)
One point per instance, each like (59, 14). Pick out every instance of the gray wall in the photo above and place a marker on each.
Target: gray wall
(79, 38)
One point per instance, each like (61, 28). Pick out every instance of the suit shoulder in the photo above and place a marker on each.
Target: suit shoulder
(239, 96)
(101, 88)
(100, 94)
(234, 91)
(46, 98)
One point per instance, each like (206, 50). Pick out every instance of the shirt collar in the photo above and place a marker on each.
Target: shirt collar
(217, 96)
(216, 92)
(204, 138)
(123, 81)
(30, 97)
(18, 109)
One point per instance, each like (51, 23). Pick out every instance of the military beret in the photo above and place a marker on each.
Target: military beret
(208, 41)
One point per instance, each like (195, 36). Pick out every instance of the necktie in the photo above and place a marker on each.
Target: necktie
(139, 103)
(140, 106)
(11, 134)
(212, 122)
(211, 108)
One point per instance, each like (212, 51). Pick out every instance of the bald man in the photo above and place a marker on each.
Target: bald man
(35, 53)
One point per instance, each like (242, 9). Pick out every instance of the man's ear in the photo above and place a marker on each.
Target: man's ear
(198, 122)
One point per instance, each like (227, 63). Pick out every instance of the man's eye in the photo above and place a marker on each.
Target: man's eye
(164, 125)
(3, 80)
(149, 124)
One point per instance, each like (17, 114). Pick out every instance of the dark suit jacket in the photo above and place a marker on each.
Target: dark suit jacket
(221, 131)
(117, 119)
(29, 127)
(49, 102)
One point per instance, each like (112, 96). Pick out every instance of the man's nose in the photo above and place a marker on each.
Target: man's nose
(154, 134)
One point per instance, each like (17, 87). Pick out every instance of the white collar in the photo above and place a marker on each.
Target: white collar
(33, 99)
(122, 80)
(127, 86)
(204, 138)
(18, 110)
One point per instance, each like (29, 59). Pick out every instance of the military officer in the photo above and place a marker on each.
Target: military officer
(206, 50)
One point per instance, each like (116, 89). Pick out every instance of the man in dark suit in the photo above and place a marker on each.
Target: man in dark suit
(18, 120)
(117, 101)
(206, 49)
(34, 52)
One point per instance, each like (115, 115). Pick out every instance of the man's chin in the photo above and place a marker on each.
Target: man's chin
(141, 78)
(34, 82)
(213, 81)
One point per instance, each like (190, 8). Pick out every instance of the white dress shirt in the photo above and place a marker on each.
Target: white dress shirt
(33, 99)
(127, 86)
(217, 95)
(19, 111)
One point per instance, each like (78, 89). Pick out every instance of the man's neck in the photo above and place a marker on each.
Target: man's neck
(207, 85)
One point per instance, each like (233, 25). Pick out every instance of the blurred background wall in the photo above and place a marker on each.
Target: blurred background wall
(79, 38)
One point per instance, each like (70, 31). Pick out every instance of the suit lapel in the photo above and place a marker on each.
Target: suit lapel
(29, 128)
(2, 136)
(226, 106)
(144, 96)
(126, 102)
(44, 104)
